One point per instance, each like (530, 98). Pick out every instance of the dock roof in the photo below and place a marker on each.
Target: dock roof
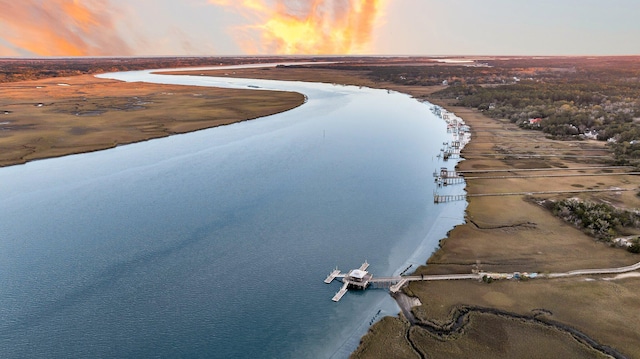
(357, 273)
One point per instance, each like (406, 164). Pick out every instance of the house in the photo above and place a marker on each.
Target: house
(592, 134)
(535, 121)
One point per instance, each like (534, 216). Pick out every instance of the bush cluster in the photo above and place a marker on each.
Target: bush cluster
(600, 220)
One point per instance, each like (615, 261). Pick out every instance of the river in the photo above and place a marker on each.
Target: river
(214, 244)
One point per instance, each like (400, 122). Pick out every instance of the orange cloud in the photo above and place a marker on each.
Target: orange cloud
(307, 26)
(60, 28)
(5, 51)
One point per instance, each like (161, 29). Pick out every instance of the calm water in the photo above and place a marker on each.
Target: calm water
(214, 244)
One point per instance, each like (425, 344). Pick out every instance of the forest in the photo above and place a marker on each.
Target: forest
(23, 69)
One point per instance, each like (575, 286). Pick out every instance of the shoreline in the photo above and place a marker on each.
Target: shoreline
(449, 258)
(43, 119)
(459, 317)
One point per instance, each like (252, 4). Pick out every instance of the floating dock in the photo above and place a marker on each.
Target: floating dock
(340, 293)
(333, 275)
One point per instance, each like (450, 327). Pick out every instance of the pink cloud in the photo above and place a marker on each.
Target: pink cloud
(61, 27)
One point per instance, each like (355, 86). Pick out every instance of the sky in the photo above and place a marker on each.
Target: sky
(321, 27)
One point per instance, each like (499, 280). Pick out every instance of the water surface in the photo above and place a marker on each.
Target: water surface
(214, 244)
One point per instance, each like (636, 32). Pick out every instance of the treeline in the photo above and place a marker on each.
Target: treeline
(432, 74)
(17, 69)
(604, 111)
(566, 109)
(22, 69)
(499, 70)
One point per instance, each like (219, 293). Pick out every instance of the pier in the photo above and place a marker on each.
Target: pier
(361, 279)
(449, 181)
(446, 173)
(444, 198)
(356, 278)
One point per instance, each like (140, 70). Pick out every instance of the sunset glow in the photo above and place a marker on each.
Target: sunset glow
(315, 27)
(60, 27)
(308, 27)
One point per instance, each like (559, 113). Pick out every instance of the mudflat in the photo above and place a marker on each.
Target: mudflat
(66, 115)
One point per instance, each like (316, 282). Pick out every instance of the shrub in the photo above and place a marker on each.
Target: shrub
(598, 219)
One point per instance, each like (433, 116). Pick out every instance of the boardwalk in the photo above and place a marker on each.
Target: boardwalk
(528, 155)
(589, 168)
(579, 272)
(443, 198)
(446, 178)
(555, 175)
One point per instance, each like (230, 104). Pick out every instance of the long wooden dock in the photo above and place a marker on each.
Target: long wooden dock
(443, 198)
(601, 168)
(446, 173)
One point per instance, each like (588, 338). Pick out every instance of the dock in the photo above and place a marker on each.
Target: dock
(443, 198)
(355, 278)
(340, 293)
(396, 283)
(333, 275)
(361, 279)
(364, 266)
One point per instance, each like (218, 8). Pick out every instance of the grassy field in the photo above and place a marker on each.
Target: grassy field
(511, 233)
(491, 336)
(61, 116)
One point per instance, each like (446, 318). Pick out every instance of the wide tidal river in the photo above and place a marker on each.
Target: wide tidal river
(215, 244)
